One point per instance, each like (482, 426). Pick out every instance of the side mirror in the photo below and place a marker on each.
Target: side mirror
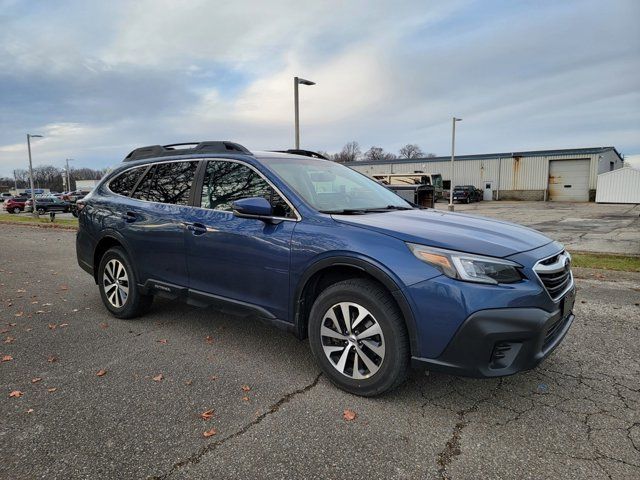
(253, 207)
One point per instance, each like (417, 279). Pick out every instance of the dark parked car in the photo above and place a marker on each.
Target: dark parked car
(466, 194)
(15, 204)
(48, 204)
(327, 253)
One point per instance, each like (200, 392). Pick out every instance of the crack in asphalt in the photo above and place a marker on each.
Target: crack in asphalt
(197, 457)
(452, 447)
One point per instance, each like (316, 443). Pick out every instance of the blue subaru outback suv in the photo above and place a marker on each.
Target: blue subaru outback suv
(327, 253)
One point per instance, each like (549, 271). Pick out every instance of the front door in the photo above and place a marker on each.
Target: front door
(245, 261)
(488, 191)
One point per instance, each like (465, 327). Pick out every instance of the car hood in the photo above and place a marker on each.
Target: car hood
(453, 231)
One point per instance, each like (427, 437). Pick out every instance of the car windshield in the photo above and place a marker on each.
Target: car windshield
(333, 188)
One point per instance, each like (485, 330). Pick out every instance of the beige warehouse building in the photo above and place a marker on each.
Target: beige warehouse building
(556, 175)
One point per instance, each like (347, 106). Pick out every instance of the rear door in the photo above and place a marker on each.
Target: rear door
(153, 222)
(245, 261)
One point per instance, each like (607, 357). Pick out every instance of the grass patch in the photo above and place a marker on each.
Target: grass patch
(606, 262)
(27, 219)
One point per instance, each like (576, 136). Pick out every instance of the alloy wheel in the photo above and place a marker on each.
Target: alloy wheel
(352, 340)
(115, 282)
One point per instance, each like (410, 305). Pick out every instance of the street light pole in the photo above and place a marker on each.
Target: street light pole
(68, 177)
(298, 81)
(33, 192)
(453, 154)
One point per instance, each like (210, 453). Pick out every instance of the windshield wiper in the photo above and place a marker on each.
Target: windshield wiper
(363, 211)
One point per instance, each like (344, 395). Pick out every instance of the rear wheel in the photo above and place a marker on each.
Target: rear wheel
(358, 337)
(118, 286)
(41, 211)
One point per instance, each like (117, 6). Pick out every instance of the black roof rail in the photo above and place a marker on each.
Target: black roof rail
(305, 153)
(197, 147)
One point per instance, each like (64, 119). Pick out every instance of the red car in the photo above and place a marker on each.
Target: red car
(15, 204)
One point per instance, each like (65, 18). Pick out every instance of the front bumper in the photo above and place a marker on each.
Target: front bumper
(499, 342)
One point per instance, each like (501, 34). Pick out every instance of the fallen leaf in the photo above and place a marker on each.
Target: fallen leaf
(52, 326)
(101, 373)
(28, 329)
(21, 290)
(19, 314)
(9, 339)
(62, 325)
(209, 433)
(64, 287)
(7, 358)
(13, 324)
(245, 399)
(213, 377)
(16, 394)
(209, 339)
(5, 330)
(36, 380)
(158, 378)
(52, 358)
(104, 325)
(349, 415)
(39, 312)
(246, 388)
(30, 410)
(162, 340)
(188, 382)
(51, 390)
(207, 415)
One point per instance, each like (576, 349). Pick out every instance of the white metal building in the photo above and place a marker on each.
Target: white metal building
(619, 186)
(559, 175)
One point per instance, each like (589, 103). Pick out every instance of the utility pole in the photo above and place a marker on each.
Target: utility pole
(33, 191)
(15, 182)
(298, 81)
(453, 154)
(68, 177)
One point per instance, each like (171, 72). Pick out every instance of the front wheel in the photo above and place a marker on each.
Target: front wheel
(118, 286)
(41, 211)
(358, 337)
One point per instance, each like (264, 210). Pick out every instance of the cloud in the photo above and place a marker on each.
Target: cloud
(99, 79)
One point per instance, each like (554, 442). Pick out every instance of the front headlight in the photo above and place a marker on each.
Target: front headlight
(468, 267)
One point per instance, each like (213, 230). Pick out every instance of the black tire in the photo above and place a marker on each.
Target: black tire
(136, 303)
(41, 211)
(374, 298)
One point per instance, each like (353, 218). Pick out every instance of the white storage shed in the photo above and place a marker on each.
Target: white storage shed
(619, 186)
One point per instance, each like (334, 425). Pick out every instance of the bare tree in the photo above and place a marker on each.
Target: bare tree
(411, 150)
(377, 154)
(350, 153)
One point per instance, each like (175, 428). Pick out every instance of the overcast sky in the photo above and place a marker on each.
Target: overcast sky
(98, 78)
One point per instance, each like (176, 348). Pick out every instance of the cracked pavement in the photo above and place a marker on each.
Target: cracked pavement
(575, 416)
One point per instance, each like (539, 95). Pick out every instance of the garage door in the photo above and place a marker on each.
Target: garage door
(569, 180)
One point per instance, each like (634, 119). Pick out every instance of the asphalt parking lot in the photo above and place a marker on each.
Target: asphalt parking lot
(274, 415)
(587, 227)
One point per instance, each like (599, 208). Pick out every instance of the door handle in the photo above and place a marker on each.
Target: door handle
(196, 228)
(129, 217)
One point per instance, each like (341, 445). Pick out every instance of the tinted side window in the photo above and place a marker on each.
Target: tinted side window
(172, 182)
(226, 182)
(123, 184)
(167, 183)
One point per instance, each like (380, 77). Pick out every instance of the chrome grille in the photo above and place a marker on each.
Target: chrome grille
(555, 274)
